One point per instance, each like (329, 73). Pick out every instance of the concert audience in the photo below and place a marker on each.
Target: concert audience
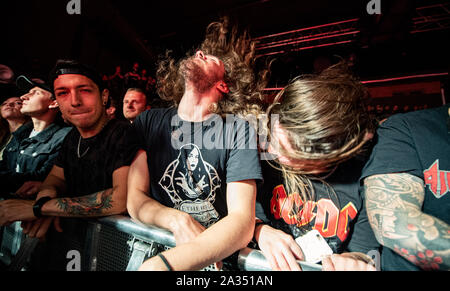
(30, 154)
(90, 173)
(323, 176)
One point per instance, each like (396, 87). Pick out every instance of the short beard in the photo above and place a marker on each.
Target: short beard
(193, 73)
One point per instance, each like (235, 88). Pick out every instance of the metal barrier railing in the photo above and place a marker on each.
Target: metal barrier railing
(117, 243)
(127, 225)
(248, 259)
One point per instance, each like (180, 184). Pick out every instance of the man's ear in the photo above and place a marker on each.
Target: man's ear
(222, 87)
(111, 110)
(368, 135)
(54, 104)
(105, 96)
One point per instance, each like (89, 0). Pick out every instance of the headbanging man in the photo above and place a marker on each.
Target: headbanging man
(196, 172)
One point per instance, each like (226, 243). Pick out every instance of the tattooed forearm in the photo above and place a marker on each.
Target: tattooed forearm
(90, 205)
(394, 206)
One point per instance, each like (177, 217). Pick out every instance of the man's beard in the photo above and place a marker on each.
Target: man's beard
(201, 80)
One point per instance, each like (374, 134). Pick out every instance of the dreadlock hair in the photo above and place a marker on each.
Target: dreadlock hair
(237, 52)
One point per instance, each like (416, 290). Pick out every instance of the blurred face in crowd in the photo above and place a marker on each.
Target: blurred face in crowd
(281, 142)
(135, 67)
(111, 112)
(10, 108)
(203, 71)
(36, 102)
(133, 104)
(281, 146)
(80, 101)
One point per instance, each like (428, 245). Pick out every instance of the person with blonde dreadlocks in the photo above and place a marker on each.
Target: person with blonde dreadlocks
(196, 172)
(318, 137)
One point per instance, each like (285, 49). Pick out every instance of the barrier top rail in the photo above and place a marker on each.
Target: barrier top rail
(248, 259)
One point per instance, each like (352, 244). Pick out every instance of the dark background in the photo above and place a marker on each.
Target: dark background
(35, 33)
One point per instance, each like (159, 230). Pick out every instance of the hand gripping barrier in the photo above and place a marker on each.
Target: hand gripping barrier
(248, 259)
(117, 243)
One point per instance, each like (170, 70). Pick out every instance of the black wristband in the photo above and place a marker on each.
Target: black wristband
(37, 207)
(257, 223)
(169, 268)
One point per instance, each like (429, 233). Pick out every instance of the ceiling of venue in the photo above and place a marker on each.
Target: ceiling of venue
(116, 32)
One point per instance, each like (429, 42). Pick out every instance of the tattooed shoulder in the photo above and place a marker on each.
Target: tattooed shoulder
(386, 189)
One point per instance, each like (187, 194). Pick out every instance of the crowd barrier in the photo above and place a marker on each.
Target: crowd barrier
(117, 243)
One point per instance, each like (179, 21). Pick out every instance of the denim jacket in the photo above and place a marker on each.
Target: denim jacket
(30, 159)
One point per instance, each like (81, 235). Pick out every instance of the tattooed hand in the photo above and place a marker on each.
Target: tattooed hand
(394, 207)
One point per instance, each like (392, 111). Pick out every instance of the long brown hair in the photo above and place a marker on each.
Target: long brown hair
(326, 122)
(237, 52)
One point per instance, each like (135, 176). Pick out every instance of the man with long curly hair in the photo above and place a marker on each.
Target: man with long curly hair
(201, 189)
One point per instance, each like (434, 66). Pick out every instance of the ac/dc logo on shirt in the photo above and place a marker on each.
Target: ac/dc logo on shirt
(438, 181)
(329, 220)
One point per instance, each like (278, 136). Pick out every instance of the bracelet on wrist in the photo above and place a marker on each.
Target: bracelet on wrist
(37, 206)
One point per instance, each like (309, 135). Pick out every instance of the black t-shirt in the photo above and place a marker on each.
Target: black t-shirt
(190, 163)
(339, 215)
(417, 143)
(100, 155)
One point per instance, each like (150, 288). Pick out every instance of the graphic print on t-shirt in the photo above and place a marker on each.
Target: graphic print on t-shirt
(437, 180)
(191, 183)
(323, 215)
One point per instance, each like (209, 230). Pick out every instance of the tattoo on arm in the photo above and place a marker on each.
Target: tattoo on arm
(90, 205)
(394, 207)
